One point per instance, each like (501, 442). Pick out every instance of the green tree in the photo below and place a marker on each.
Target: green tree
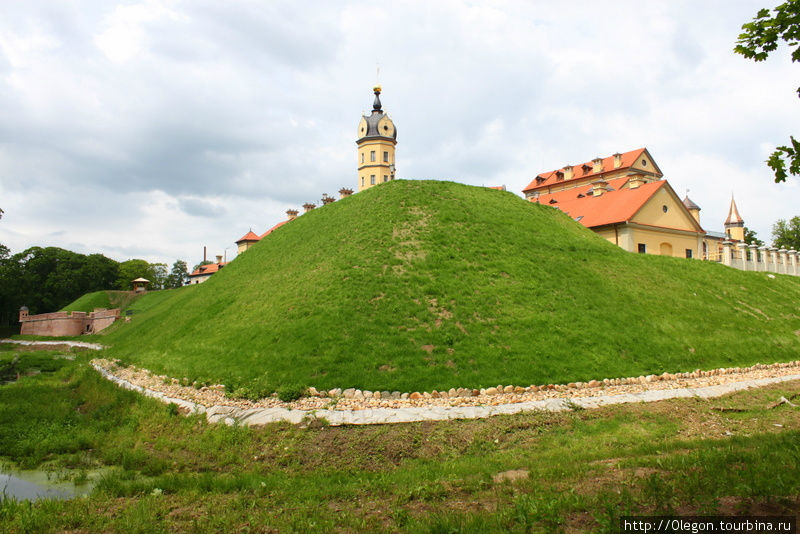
(160, 274)
(47, 279)
(178, 276)
(759, 39)
(131, 270)
(786, 234)
(750, 237)
(4, 251)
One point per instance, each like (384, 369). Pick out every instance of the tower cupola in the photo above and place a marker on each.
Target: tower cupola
(377, 137)
(734, 224)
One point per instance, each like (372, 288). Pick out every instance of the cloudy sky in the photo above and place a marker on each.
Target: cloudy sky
(148, 129)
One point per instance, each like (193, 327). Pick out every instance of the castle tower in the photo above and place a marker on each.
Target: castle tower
(734, 224)
(377, 138)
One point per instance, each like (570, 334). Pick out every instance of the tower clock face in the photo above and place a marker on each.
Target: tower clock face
(385, 127)
(362, 128)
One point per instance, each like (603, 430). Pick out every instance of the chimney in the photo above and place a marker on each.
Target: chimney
(344, 192)
(292, 214)
(617, 160)
(204, 254)
(326, 199)
(568, 172)
(23, 313)
(219, 258)
(309, 206)
(599, 187)
(597, 165)
(635, 181)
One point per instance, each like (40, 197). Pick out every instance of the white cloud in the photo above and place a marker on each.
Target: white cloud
(184, 124)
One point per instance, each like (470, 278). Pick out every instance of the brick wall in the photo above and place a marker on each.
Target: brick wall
(66, 323)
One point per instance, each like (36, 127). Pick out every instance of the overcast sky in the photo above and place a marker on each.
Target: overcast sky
(148, 129)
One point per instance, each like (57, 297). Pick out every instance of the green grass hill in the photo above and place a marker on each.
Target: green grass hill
(101, 299)
(418, 285)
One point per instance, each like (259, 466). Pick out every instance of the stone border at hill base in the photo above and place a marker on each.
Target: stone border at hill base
(259, 416)
(339, 410)
(209, 401)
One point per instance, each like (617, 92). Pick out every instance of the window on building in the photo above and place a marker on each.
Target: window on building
(386, 156)
(642, 248)
(362, 157)
(362, 180)
(372, 155)
(385, 178)
(689, 253)
(372, 179)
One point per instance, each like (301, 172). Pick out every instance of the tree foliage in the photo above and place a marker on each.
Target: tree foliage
(46, 279)
(751, 238)
(787, 234)
(760, 38)
(178, 276)
(131, 270)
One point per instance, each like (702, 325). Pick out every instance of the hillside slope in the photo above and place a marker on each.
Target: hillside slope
(101, 299)
(419, 285)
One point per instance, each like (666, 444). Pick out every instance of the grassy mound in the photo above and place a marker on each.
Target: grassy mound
(427, 285)
(101, 299)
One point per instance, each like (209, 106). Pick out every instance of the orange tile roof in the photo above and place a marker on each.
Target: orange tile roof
(265, 234)
(249, 236)
(549, 178)
(211, 268)
(619, 205)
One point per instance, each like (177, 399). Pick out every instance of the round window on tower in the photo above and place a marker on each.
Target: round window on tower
(665, 208)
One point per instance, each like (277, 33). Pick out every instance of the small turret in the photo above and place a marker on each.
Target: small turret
(734, 224)
(693, 208)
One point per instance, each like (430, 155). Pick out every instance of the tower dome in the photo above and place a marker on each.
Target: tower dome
(377, 137)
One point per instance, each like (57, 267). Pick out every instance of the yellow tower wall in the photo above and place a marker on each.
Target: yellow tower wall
(379, 168)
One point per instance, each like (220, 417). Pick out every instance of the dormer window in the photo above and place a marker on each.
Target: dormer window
(586, 168)
(553, 201)
(559, 175)
(540, 179)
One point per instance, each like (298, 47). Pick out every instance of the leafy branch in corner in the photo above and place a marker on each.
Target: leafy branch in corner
(760, 38)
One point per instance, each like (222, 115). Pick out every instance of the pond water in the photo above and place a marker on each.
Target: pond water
(32, 485)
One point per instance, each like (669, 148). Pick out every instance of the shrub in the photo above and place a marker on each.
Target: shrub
(291, 392)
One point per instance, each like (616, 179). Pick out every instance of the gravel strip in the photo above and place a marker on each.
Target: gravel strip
(337, 410)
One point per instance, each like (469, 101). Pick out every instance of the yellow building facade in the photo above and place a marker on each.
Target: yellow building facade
(377, 139)
(624, 199)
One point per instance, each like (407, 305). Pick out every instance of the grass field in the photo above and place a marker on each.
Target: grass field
(429, 285)
(576, 471)
(102, 299)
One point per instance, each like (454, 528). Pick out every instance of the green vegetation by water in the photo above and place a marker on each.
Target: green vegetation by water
(419, 285)
(576, 471)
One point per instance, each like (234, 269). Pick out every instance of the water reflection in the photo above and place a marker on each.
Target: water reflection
(34, 485)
